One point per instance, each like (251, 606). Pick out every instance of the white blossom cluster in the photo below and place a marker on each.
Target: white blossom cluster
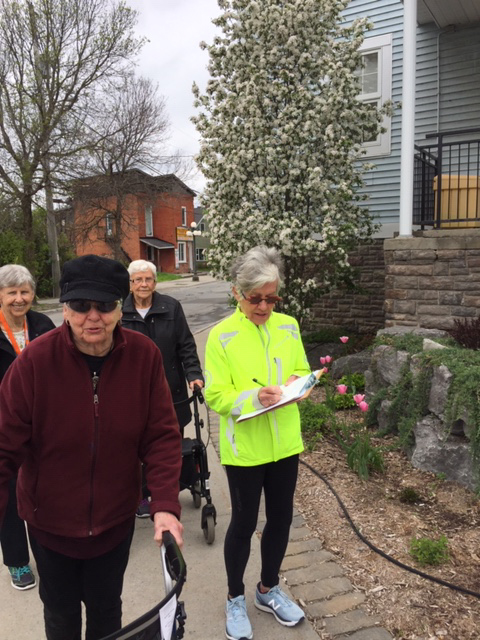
(281, 137)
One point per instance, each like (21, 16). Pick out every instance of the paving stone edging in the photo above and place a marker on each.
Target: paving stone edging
(318, 582)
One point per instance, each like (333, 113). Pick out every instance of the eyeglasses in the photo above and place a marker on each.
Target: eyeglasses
(258, 299)
(84, 306)
(142, 280)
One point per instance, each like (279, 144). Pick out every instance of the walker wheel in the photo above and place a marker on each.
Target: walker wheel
(196, 494)
(209, 529)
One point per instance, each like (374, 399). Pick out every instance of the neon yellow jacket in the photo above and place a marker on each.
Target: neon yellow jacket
(237, 351)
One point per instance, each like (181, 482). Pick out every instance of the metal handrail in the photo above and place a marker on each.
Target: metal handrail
(454, 159)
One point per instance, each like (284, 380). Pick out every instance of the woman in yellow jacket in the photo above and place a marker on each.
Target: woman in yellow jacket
(248, 356)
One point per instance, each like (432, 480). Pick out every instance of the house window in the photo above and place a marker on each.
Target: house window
(184, 216)
(201, 226)
(376, 87)
(109, 225)
(182, 254)
(148, 220)
(151, 254)
(200, 255)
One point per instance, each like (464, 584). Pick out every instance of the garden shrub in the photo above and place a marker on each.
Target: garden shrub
(344, 401)
(362, 457)
(313, 416)
(314, 420)
(429, 552)
(466, 332)
(353, 381)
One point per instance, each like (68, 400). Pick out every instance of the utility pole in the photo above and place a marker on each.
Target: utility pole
(41, 72)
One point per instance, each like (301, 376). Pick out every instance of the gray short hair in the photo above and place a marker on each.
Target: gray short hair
(138, 266)
(256, 268)
(14, 275)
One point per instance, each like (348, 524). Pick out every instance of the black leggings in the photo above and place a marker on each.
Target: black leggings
(278, 480)
(65, 582)
(13, 535)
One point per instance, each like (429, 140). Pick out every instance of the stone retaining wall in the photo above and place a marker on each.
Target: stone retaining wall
(361, 310)
(432, 278)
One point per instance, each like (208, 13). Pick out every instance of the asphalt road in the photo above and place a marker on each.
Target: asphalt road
(204, 303)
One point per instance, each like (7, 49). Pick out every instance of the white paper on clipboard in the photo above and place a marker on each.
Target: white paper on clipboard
(167, 618)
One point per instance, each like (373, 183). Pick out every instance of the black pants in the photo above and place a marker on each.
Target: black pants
(278, 480)
(13, 536)
(67, 582)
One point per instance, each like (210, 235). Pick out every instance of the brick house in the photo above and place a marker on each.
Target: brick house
(135, 215)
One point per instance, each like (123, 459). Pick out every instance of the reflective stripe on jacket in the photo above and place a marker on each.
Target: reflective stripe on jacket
(237, 351)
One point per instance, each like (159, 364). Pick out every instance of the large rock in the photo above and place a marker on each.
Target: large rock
(432, 345)
(382, 416)
(416, 331)
(387, 364)
(437, 399)
(316, 351)
(355, 363)
(433, 451)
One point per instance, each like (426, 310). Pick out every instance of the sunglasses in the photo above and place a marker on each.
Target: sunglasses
(258, 299)
(84, 306)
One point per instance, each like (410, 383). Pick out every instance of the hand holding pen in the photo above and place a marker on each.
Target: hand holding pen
(268, 395)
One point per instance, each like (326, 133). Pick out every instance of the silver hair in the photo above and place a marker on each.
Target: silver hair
(138, 266)
(256, 268)
(14, 275)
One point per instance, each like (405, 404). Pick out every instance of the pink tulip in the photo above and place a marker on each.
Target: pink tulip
(363, 406)
(344, 339)
(328, 359)
(323, 360)
(359, 397)
(342, 389)
(325, 369)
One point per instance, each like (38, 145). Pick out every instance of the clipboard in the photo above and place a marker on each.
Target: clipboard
(294, 392)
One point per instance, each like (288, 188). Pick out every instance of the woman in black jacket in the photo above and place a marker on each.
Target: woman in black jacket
(18, 326)
(162, 319)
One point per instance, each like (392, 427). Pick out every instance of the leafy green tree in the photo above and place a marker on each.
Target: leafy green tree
(53, 56)
(281, 138)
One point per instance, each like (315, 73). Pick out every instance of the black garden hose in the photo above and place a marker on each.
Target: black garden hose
(382, 553)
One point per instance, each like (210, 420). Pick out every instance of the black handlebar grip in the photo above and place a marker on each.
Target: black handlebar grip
(175, 563)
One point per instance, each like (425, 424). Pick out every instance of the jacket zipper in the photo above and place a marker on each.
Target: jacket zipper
(95, 380)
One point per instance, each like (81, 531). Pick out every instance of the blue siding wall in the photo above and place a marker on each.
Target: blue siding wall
(447, 95)
(383, 182)
(460, 79)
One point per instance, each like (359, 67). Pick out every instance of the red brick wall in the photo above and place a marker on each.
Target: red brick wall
(167, 216)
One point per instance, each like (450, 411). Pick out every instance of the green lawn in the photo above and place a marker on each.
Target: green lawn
(163, 277)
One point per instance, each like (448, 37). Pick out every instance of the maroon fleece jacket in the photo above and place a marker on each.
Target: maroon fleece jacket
(80, 472)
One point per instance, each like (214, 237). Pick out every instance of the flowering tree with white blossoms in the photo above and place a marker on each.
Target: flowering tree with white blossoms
(281, 138)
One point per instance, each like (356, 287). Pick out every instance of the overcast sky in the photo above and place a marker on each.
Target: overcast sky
(173, 59)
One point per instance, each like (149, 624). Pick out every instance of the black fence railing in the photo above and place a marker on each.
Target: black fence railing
(446, 191)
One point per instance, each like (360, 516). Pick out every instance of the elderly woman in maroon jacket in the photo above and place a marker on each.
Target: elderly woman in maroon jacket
(79, 410)
(161, 318)
(19, 325)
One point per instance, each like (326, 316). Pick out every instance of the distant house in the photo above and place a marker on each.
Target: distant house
(425, 53)
(135, 215)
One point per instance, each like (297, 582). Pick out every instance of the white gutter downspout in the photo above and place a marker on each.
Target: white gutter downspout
(408, 116)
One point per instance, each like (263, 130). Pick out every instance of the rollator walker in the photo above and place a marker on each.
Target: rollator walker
(195, 474)
(167, 618)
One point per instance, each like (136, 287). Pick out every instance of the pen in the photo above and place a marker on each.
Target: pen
(258, 382)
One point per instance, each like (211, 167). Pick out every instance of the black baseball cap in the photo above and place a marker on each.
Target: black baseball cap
(94, 278)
